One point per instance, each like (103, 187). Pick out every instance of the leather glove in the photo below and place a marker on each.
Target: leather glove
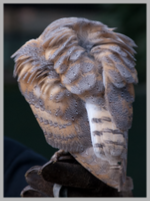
(66, 178)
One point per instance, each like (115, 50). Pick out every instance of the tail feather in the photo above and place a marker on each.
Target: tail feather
(109, 144)
(108, 141)
(102, 170)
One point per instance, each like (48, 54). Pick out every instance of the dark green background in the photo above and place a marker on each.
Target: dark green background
(23, 22)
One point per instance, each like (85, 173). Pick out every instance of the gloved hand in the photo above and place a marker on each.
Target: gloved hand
(66, 178)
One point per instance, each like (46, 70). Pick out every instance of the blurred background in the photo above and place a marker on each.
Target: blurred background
(23, 22)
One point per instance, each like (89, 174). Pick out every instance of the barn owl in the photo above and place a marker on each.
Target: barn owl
(78, 78)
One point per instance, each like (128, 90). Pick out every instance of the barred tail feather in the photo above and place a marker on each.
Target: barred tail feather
(108, 141)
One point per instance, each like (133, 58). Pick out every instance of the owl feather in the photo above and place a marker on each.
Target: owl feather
(78, 78)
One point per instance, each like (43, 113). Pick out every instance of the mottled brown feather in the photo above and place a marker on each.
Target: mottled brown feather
(74, 62)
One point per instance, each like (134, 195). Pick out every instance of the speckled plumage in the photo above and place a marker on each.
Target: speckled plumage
(78, 79)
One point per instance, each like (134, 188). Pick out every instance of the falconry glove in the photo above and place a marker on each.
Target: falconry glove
(66, 178)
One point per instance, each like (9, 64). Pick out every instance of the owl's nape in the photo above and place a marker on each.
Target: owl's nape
(78, 78)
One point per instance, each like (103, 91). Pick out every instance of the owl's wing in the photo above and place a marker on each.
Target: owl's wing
(60, 114)
(109, 126)
(119, 75)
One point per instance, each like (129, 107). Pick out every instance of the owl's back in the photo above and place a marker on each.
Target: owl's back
(78, 79)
